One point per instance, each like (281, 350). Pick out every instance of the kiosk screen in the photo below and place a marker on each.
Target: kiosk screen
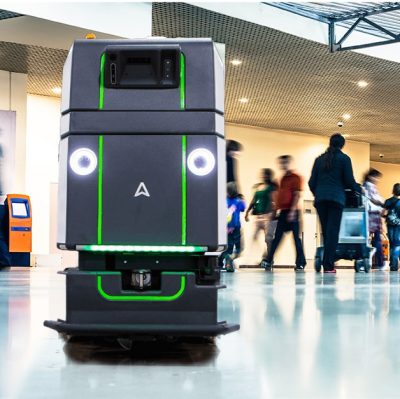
(19, 209)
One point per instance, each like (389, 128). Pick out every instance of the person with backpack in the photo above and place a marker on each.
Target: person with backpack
(392, 206)
(262, 206)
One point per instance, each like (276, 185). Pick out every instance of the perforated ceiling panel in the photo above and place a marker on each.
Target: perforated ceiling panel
(43, 65)
(294, 84)
(4, 14)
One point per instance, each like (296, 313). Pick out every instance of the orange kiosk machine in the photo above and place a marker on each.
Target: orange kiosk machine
(19, 229)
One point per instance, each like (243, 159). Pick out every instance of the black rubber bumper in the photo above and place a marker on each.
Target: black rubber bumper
(129, 330)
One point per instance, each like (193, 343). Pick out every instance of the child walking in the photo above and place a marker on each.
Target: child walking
(236, 205)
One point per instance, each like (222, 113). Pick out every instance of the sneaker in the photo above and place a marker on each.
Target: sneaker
(299, 268)
(394, 269)
(330, 271)
(266, 265)
(382, 268)
(229, 267)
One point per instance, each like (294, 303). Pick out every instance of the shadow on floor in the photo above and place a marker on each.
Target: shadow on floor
(126, 352)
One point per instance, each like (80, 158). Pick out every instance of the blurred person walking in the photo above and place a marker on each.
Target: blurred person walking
(375, 208)
(233, 149)
(287, 199)
(262, 207)
(331, 174)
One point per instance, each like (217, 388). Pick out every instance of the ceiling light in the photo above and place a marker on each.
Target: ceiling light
(243, 100)
(56, 90)
(346, 135)
(236, 62)
(346, 116)
(362, 83)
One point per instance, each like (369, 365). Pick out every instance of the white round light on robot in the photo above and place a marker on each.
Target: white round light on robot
(201, 162)
(83, 161)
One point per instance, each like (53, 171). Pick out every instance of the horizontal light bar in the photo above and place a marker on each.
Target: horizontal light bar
(140, 248)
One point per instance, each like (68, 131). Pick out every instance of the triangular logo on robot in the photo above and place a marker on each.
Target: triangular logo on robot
(142, 190)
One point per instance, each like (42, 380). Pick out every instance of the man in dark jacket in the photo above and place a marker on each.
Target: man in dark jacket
(332, 173)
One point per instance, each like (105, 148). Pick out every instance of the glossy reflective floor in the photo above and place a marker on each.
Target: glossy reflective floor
(302, 336)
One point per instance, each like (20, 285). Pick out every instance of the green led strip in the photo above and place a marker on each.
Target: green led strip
(184, 208)
(155, 298)
(100, 194)
(142, 248)
(182, 81)
(101, 90)
(100, 179)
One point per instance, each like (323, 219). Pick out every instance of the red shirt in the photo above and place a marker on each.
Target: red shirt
(289, 184)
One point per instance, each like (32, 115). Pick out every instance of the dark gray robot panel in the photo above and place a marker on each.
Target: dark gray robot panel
(205, 206)
(85, 88)
(145, 190)
(80, 208)
(142, 186)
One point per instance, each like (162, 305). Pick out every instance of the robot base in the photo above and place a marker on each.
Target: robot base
(98, 304)
(153, 330)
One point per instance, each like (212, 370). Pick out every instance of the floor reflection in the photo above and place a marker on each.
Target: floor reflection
(303, 335)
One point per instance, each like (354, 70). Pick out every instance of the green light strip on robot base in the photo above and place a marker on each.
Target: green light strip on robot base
(150, 298)
(101, 90)
(182, 81)
(100, 194)
(142, 248)
(184, 210)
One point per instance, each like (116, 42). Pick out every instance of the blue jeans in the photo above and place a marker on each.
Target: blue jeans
(394, 256)
(394, 242)
(234, 244)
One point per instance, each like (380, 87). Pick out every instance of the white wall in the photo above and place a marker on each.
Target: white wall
(391, 175)
(261, 148)
(13, 98)
(43, 131)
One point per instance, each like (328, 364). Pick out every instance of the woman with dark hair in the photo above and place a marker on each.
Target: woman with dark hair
(332, 173)
(375, 207)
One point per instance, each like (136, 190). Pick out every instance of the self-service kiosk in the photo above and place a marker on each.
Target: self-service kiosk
(142, 187)
(15, 231)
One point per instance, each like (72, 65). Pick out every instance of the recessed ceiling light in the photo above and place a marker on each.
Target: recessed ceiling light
(236, 62)
(362, 83)
(243, 100)
(56, 90)
(346, 116)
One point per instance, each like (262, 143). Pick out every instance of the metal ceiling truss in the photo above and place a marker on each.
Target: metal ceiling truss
(358, 15)
(361, 16)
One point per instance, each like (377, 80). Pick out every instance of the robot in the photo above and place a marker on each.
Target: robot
(142, 188)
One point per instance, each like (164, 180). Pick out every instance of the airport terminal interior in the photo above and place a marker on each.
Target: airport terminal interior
(199, 200)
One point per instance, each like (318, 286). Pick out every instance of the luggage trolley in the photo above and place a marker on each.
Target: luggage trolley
(353, 235)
